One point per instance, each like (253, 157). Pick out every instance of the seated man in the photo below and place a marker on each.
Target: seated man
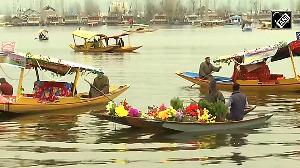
(237, 103)
(100, 86)
(214, 94)
(96, 43)
(5, 87)
(206, 69)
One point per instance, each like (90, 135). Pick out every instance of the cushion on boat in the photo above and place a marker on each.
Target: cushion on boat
(49, 91)
(261, 73)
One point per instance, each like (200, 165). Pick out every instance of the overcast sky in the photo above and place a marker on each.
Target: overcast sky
(8, 5)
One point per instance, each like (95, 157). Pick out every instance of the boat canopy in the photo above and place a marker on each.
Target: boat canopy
(117, 35)
(55, 65)
(275, 52)
(42, 31)
(86, 34)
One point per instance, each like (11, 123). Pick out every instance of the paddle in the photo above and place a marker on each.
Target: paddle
(204, 77)
(98, 90)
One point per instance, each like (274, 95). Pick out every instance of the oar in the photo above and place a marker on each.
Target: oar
(204, 77)
(98, 90)
(194, 100)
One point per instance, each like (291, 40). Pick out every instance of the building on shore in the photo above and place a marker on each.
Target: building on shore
(71, 19)
(296, 17)
(16, 21)
(32, 17)
(159, 19)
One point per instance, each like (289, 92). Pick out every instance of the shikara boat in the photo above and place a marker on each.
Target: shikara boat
(156, 124)
(43, 34)
(93, 42)
(52, 96)
(265, 26)
(139, 30)
(119, 43)
(252, 60)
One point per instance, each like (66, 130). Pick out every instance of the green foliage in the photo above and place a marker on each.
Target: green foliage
(176, 103)
(112, 109)
(281, 44)
(203, 104)
(221, 111)
(218, 109)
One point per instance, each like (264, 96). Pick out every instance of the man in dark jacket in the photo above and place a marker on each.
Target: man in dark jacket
(237, 103)
(5, 87)
(214, 94)
(100, 86)
(206, 69)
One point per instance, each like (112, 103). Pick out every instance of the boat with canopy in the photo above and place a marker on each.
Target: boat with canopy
(52, 96)
(251, 70)
(119, 43)
(93, 42)
(43, 34)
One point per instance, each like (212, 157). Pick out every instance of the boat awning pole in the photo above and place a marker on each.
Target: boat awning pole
(74, 40)
(75, 81)
(37, 74)
(128, 40)
(20, 83)
(293, 63)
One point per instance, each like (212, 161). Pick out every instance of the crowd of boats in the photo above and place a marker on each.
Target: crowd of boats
(250, 72)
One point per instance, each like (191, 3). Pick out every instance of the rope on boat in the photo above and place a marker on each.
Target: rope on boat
(53, 78)
(10, 77)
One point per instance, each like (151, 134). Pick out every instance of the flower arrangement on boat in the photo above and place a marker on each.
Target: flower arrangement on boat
(204, 112)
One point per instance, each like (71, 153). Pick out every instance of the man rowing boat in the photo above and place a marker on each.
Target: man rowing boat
(206, 69)
(100, 86)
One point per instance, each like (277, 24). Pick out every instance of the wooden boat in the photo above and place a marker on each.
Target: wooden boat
(43, 34)
(155, 124)
(119, 44)
(265, 26)
(274, 83)
(52, 96)
(139, 30)
(93, 42)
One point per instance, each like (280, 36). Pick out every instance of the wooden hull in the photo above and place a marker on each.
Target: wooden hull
(32, 105)
(218, 126)
(126, 49)
(291, 85)
(155, 124)
(80, 48)
(46, 38)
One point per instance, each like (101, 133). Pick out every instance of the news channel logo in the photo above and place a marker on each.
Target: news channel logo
(281, 19)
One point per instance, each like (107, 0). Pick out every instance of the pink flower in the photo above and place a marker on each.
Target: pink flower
(133, 112)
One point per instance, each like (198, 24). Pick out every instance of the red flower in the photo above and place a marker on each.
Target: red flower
(192, 110)
(126, 106)
(162, 107)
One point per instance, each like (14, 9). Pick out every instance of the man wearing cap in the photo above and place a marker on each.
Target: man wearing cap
(206, 69)
(100, 86)
(214, 94)
(5, 87)
(237, 103)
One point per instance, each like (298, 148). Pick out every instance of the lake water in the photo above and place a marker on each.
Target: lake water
(84, 140)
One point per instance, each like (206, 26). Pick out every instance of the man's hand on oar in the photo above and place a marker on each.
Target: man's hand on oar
(98, 90)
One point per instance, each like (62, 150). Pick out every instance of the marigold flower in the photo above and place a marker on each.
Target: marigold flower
(163, 115)
(120, 111)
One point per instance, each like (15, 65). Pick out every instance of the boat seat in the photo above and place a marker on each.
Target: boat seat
(276, 77)
(50, 90)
